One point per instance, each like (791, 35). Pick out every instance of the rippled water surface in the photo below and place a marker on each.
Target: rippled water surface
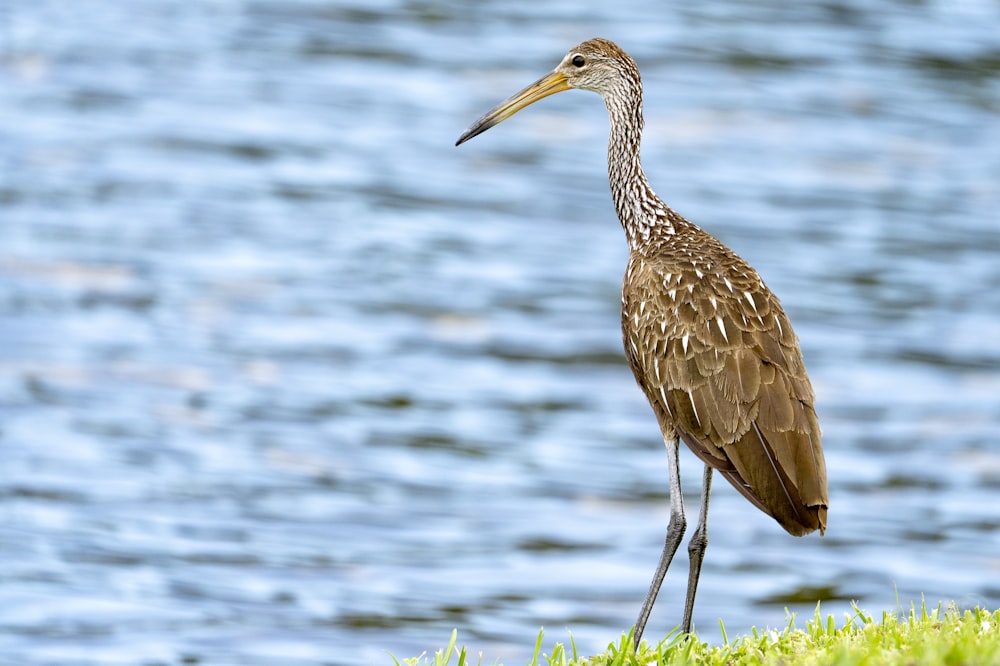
(286, 378)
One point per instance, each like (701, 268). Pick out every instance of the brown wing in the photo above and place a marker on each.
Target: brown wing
(722, 369)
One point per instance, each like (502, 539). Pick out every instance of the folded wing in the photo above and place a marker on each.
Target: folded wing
(722, 369)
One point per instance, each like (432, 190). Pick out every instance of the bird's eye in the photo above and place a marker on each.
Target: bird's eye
(579, 60)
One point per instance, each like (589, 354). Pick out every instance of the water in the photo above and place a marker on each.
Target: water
(286, 378)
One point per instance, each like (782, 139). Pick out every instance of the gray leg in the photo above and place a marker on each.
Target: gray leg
(675, 532)
(696, 550)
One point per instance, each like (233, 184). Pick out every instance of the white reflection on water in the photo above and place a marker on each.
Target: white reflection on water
(286, 377)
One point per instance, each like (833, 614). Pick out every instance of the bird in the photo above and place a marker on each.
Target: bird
(708, 342)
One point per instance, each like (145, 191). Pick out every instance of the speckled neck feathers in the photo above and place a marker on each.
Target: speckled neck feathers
(643, 215)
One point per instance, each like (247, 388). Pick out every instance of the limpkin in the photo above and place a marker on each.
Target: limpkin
(707, 341)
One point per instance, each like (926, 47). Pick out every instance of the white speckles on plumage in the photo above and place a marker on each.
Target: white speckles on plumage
(719, 341)
(694, 407)
(736, 390)
(666, 402)
(722, 328)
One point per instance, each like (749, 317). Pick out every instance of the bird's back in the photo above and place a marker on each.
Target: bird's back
(720, 364)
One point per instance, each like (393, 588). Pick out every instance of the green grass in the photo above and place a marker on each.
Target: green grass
(941, 636)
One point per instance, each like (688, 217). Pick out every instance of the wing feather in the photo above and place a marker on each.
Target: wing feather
(723, 370)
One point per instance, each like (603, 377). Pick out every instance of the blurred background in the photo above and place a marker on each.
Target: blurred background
(287, 378)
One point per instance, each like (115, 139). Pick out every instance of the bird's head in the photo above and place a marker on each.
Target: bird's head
(597, 64)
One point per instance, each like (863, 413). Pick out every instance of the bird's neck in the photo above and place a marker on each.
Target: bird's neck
(643, 215)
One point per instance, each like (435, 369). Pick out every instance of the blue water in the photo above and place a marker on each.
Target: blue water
(287, 378)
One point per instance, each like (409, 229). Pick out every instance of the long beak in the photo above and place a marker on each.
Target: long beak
(543, 87)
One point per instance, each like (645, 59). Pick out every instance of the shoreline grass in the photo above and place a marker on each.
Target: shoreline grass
(947, 636)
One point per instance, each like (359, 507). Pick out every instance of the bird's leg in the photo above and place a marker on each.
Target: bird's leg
(696, 550)
(675, 532)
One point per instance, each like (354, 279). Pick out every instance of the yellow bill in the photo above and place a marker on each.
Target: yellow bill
(543, 87)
